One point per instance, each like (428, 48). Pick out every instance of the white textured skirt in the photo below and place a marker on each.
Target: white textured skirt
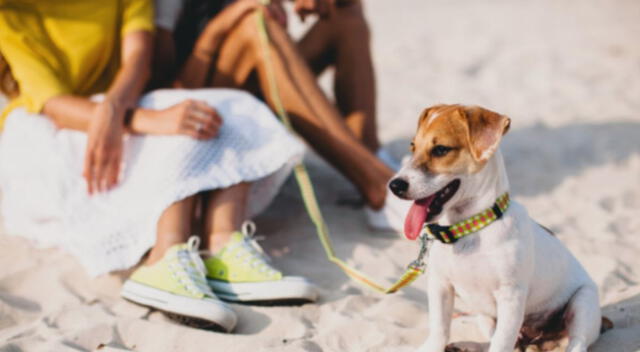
(45, 197)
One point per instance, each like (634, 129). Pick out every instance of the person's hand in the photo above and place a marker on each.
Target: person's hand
(103, 155)
(322, 8)
(191, 118)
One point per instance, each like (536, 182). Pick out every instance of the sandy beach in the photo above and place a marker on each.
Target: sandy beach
(568, 75)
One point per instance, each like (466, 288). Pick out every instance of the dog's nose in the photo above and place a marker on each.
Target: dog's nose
(398, 186)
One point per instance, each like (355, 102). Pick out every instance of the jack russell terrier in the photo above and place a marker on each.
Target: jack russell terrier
(523, 283)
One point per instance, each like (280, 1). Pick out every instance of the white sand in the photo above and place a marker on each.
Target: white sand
(567, 72)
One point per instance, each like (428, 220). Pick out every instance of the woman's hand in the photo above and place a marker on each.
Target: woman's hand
(103, 155)
(191, 118)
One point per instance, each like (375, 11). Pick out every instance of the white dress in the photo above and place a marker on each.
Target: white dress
(45, 196)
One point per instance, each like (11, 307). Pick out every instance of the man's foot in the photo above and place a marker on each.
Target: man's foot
(241, 272)
(391, 216)
(177, 285)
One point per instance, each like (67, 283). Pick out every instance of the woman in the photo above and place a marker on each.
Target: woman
(87, 165)
(217, 44)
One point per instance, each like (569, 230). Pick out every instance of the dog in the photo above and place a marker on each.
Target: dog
(523, 283)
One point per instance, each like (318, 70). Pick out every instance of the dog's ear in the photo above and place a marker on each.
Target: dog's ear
(425, 113)
(485, 130)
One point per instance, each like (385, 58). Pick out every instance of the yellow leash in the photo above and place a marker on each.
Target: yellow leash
(308, 194)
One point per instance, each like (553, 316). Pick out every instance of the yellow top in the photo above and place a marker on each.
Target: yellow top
(66, 46)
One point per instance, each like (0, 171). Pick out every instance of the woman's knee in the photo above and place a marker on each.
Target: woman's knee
(246, 29)
(249, 28)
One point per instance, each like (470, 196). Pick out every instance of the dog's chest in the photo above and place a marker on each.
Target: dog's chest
(476, 271)
(475, 287)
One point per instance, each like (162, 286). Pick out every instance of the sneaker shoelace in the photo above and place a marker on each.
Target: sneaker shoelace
(188, 268)
(249, 251)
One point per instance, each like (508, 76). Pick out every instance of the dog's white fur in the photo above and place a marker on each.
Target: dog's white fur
(507, 271)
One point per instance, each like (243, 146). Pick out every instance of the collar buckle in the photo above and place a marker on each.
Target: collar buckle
(440, 233)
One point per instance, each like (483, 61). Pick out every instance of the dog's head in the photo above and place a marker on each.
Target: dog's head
(451, 147)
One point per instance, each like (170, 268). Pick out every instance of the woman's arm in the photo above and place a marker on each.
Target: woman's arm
(75, 112)
(104, 121)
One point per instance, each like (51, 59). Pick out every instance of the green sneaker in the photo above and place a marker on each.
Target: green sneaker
(177, 285)
(241, 272)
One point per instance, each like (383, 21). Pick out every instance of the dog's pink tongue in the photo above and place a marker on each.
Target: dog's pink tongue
(416, 217)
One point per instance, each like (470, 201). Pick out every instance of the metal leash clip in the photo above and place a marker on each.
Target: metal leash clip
(425, 245)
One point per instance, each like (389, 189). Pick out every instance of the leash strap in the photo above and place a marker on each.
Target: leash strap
(308, 194)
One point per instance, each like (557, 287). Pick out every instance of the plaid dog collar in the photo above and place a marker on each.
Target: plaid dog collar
(451, 234)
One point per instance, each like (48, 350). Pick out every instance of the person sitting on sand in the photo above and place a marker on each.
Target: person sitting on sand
(89, 164)
(203, 43)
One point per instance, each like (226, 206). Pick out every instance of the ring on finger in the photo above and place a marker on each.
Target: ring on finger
(199, 127)
(200, 114)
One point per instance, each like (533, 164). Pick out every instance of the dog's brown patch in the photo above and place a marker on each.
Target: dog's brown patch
(469, 134)
(466, 346)
(605, 325)
(545, 330)
(540, 329)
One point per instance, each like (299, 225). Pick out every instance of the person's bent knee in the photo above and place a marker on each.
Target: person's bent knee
(247, 27)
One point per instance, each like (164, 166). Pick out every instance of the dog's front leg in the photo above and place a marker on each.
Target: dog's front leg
(441, 297)
(510, 304)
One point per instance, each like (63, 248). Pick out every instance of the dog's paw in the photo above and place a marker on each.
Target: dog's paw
(464, 347)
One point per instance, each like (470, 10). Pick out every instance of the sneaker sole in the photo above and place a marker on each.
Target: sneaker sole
(184, 310)
(288, 291)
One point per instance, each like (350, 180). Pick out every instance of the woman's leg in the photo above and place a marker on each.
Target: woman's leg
(343, 41)
(174, 286)
(312, 114)
(225, 210)
(174, 227)
(240, 272)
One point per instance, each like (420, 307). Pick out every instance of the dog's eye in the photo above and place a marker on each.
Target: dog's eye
(440, 150)
(412, 147)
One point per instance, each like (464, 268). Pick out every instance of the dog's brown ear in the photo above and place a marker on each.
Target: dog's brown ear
(425, 113)
(485, 130)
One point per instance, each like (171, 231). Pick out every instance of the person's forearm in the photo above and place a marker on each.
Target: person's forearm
(70, 111)
(73, 112)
